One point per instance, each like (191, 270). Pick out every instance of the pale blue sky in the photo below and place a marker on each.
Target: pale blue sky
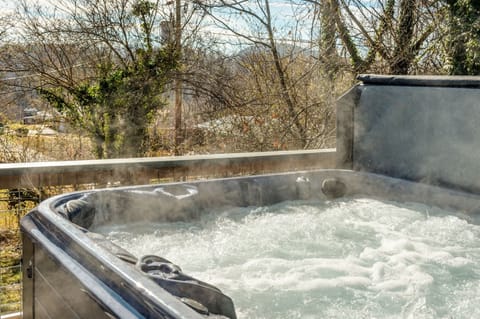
(282, 11)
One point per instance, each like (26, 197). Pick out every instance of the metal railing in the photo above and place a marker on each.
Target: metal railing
(24, 185)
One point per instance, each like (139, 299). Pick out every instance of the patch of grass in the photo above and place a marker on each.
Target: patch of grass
(11, 210)
(24, 143)
(10, 271)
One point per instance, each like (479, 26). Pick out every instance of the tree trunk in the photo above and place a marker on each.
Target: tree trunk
(285, 92)
(328, 38)
(403, 53)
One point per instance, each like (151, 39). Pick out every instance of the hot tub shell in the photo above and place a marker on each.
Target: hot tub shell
(71, 272)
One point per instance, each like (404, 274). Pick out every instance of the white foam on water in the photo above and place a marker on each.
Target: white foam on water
(351, 258)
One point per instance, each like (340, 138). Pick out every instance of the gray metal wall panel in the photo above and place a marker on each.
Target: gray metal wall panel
(427, 134)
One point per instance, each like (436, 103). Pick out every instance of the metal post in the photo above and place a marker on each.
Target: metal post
(178, 79)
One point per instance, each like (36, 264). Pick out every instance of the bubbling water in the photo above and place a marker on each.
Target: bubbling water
(351, 258)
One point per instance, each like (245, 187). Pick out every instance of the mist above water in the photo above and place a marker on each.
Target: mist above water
(351, 258)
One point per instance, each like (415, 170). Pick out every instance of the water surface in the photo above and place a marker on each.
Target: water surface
(349, 258)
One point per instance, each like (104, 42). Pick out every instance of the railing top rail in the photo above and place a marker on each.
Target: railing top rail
(154, 162)
(12, 173)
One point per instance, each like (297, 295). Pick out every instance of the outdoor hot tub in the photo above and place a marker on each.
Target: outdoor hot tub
(410, 145)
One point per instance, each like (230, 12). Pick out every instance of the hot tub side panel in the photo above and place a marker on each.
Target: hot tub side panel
(55, 286)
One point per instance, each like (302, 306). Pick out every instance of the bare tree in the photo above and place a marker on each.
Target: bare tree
(274, 79)
(392, 33)
(101, 63)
